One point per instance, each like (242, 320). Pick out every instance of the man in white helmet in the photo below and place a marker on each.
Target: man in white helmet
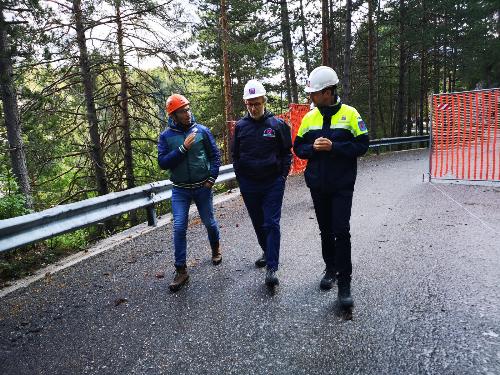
(331, 137)
(262, 157)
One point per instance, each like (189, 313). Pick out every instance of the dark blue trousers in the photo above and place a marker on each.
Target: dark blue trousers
(333, 211)
(263, 202)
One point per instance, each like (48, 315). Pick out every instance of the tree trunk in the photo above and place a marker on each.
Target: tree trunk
(346, 85)
(423, 69)
(304, 38)
(331, 41)
(445, 55)
(125, 116)
(324, 32)
(287, 45)
(379, 101)
(287, 74)
(402, 69)
(435, 62)
(391, 95)
(12, 119)
(408, 99)
(95, 139)
(454, 71)
(228, 96)
(372, 121)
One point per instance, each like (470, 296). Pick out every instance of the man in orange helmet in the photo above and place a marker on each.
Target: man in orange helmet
(188, 150)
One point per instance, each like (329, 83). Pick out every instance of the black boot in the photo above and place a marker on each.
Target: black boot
(328, 279)
(271, 278)
(261, 262)
(344, 296)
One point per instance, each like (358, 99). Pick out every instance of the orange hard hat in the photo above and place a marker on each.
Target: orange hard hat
(174, 102)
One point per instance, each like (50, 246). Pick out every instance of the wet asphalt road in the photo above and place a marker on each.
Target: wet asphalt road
(426, 287)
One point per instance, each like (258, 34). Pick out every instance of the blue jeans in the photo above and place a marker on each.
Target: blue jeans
(181, 200)
(263, 202)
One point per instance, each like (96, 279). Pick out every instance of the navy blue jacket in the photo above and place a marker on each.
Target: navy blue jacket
(189, 168)
(337, 169)
(261, 148)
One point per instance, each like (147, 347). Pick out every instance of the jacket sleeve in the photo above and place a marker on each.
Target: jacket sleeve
(302, 149)
(167, 158)
(359, 145)
(235, 150)
(285, 151)
(355, 148)
(213, 154)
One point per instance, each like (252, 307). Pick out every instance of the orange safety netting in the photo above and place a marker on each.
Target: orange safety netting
(465, 136)
(293, 118)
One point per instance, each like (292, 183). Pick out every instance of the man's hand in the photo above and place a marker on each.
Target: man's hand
(188, 142)
(208, 184)
(322, 144)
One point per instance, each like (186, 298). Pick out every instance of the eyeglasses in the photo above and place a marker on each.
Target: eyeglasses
(182, 111)
(254, 104)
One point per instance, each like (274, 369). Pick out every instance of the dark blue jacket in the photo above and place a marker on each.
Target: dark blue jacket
(261, 148)
(337, 169)
(189, 168)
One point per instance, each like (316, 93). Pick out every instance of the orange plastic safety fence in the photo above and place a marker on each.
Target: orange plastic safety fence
(295, 114)
(465, 136)
(293, 118)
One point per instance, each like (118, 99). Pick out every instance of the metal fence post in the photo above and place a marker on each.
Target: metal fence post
(152, 219)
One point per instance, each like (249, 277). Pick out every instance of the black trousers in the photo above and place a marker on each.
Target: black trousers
(333, 212)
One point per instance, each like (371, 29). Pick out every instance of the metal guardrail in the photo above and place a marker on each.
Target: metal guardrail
(398, 141)
(23, 230)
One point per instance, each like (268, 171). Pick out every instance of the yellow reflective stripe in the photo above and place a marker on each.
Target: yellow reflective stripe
(341, 126)
(315, 127)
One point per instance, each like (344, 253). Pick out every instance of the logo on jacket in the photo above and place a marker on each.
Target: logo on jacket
(343, 118)
(361, 124)
(269, 132)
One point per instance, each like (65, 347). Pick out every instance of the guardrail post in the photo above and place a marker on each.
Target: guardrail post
(152, 220)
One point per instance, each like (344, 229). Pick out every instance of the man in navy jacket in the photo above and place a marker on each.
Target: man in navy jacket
(261, 159)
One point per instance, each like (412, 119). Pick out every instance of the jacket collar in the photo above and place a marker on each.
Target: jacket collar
(178, 127)
(267, 114)
(330, 110)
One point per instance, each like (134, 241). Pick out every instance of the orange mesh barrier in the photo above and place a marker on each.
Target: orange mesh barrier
(293, 118)
(465, 136)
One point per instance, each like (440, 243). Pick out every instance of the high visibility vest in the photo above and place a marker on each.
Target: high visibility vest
(346, 118)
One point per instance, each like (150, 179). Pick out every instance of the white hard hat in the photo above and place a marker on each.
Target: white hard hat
(253, 89)
(320, 78)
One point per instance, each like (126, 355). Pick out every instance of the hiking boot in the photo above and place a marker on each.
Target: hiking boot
(271, 278)
(180, 278)
(344, 296)
(261, 262)
(216, 254)
(328, 279)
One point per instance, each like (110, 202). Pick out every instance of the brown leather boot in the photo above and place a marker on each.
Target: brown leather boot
(180, 278)
(216, 254)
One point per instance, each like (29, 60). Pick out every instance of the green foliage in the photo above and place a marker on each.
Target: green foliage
(12, 205)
